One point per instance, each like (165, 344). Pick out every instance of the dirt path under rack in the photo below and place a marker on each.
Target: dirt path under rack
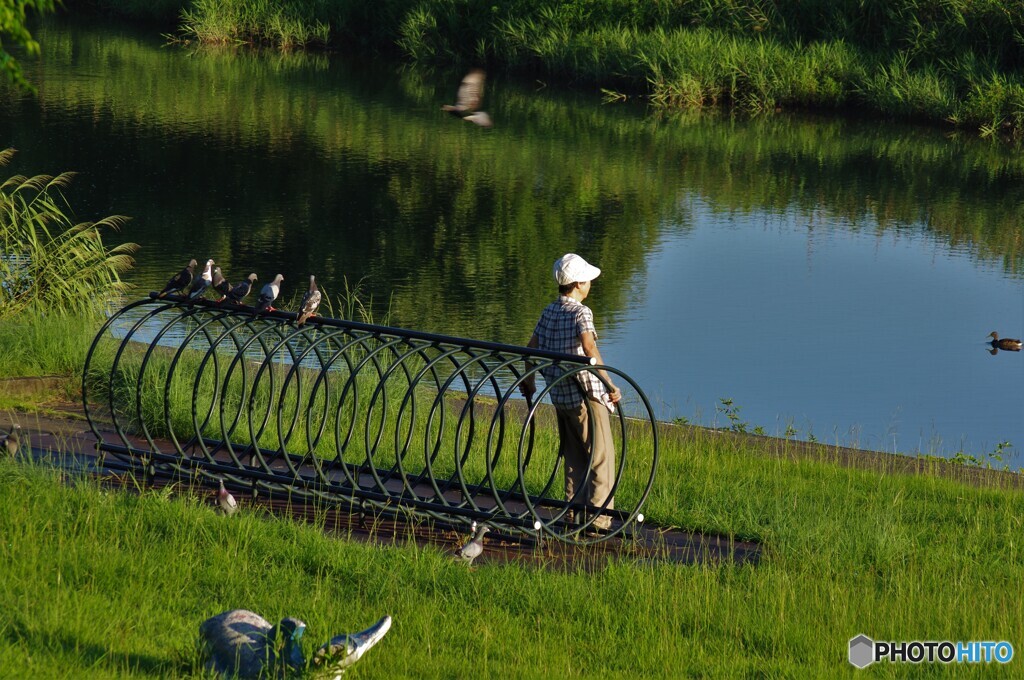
(68, 443)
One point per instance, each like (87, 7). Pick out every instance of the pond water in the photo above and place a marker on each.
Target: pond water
(830, 278)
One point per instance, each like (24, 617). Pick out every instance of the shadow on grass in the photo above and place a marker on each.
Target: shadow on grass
(94, 655)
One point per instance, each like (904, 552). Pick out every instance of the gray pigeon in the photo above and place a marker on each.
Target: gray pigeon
(242, 290)
(471, 93)
(240, 643)
(220, 284)
(342, 651)
(12, 441)
(179, 281)
(226, 501)
(475, 547)
(310, 301)
(200, 285)
(269, 294)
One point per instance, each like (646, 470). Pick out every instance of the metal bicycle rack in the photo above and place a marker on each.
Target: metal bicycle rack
(344, 413)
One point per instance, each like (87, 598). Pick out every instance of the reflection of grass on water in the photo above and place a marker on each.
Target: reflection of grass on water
(756, 56)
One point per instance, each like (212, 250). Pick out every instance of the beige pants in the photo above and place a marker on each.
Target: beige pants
(575, 427)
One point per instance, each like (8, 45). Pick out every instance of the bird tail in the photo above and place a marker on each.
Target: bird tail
(302, 319)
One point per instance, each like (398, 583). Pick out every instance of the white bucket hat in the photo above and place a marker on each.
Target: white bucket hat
(571, 268)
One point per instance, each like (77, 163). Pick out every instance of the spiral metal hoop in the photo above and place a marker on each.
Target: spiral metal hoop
(346, 413)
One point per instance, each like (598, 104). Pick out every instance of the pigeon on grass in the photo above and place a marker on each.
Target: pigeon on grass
(228, 504)
(11, 441)
(474, 547)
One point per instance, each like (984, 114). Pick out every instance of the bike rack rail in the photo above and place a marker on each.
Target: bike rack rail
(340, 412)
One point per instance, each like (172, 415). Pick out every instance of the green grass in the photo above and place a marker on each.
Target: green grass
(111, 584)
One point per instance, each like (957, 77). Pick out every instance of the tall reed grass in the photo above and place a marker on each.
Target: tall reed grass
(49, 264)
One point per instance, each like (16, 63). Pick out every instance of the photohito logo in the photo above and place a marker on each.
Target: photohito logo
(864, 651)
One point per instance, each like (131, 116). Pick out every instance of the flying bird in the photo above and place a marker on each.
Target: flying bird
(12, 441)
(269, 294)
(200, 285)
(242, 644)
(226, 501)
(1009, 344)
(242, 290)
(220, 284)
(342, 651)
(310, 301)
(179, 281)
(467, 101)
(475, 547)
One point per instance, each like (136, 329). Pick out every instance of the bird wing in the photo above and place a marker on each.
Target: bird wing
(180, 280)
(480, 118)
(235, 642)
(310, 301)
(471, 91)
(239, 291)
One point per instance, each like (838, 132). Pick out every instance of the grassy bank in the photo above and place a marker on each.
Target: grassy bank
(101, 584)
(957, 62)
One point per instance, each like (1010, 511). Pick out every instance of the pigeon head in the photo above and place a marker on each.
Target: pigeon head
(252, 277)
(278, 279)
(283, 642)
(192, 264)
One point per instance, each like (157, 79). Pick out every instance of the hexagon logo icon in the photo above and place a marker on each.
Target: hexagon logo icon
(862, 651)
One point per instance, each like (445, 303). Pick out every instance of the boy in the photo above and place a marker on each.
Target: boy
(582, 402)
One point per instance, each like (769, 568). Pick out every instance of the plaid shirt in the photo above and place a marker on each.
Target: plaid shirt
(559, 329)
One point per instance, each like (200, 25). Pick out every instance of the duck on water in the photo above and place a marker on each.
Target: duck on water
(1008, 344)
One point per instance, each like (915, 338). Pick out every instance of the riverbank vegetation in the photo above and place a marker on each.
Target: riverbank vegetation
(956, 62)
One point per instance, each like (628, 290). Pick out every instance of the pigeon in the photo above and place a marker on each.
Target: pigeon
(242, 290)
(269, 294)
(200, 285)
(242, 644)
(310, 301)
(342, 651)
(226, 501)
(475, 547)
(471, 93)
(12, 441)
(220, 284)
(179, 281)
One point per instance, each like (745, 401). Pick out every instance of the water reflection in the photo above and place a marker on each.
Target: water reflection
(827, 276)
